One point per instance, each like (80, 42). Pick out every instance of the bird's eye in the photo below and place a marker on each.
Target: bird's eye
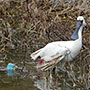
(81, 21)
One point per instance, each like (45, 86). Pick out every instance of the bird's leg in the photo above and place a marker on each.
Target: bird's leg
(51, 75)
(62, 67)
(56, 72)
(70, 67)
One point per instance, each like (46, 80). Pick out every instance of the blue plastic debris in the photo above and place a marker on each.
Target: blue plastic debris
(11, 69)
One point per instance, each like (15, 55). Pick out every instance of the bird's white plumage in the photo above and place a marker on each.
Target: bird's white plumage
(62, 50)
(57, 49)
(80, 18)
(53, 50)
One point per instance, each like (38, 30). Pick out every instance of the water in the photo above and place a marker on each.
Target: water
(19, 81)
(29, 78)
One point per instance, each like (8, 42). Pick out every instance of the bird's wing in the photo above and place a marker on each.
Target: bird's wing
(52, 54)
(53, 51)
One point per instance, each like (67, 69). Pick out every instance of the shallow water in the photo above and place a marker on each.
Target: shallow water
(29, 78)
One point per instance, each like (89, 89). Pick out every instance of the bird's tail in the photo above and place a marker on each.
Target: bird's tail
(36, 54)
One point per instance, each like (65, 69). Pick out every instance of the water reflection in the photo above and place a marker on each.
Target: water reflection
(18, 81)
(47, 81)
(30, 79)
(11, 73)
(68, 80)
(43, 81)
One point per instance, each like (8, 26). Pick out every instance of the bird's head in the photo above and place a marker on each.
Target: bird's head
(81, 20)
(80, 23)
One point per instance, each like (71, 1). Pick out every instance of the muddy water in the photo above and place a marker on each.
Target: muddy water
(19, 81)
(31, 79)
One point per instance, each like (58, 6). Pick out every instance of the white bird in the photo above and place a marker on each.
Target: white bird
(55, 52)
